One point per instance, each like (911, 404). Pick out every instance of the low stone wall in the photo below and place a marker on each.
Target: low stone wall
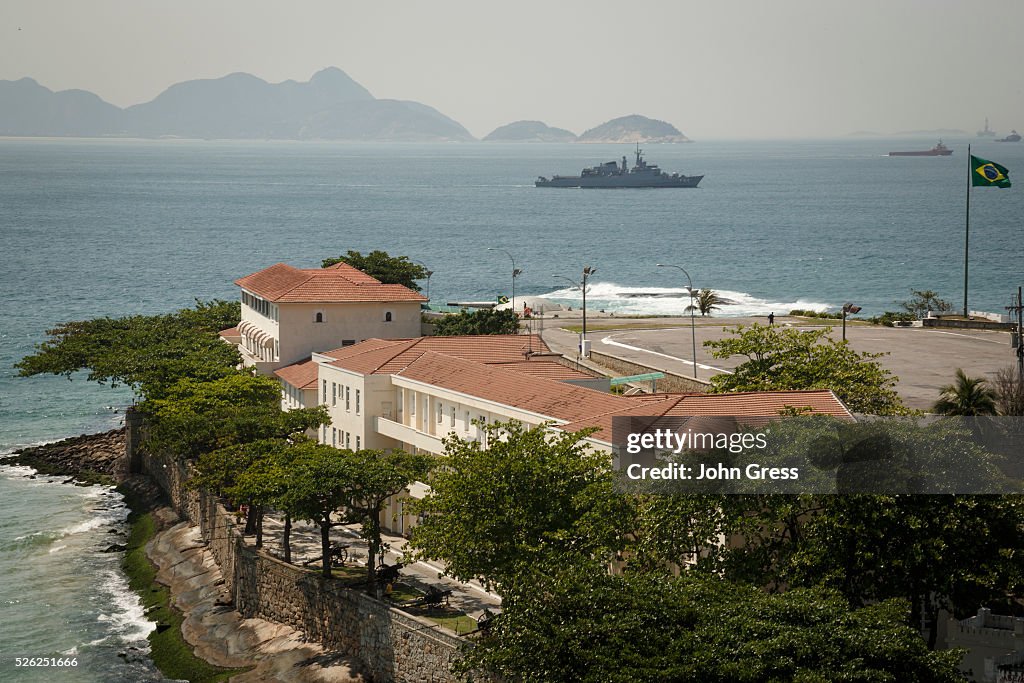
(390, 644)
(969, 324)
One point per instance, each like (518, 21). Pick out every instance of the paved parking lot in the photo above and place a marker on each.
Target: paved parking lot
(924, 359)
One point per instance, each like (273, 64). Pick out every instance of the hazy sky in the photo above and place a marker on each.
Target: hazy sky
(730, 68)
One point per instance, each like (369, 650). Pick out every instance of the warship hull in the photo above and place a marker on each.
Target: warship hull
(614, 182)
(613, 176)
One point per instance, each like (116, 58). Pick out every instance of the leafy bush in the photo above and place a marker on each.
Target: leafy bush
(816, 314)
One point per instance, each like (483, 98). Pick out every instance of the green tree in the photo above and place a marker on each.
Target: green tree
(391, 270)
(706, 301)
(582, 624)
(923, 300)
(373, 477)
(146, 352)
(195, 417)
(780, 358)
(530, 496)
(484, 321)
(970, 396)
(952, 552)
(317, 491)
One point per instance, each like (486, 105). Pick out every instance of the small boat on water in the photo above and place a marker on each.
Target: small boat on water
(1012, 137)
(939, 150)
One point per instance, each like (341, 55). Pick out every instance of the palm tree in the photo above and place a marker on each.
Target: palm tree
(705, 301)
(966, 396)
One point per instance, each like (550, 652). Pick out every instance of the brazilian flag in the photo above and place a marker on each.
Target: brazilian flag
(986, 173)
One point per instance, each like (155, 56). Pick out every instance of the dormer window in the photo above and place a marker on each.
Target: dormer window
(319, 317)
(387, 316)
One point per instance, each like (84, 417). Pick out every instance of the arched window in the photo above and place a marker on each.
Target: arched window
(319, 317)
(387, 316)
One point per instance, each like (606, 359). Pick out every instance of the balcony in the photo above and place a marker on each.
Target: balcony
(409, 435)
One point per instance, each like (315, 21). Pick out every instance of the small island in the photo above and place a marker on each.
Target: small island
(529, 131)
(633, 128)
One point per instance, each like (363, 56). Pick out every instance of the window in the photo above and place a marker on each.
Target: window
(334, 394)
(412, 404)
(334, 436)
(467, 420)
(348, 342)
(348, 441)
(387, 317)
(440, 413)
(357, 401)
(357, 442)
(325, 402)
(453, 416)
(348, 403)
(319, 317)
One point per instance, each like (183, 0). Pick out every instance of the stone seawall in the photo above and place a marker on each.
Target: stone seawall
(389, 644)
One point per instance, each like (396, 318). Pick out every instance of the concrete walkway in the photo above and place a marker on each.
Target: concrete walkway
(470, 597)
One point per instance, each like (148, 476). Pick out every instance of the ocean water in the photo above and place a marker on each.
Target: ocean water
(111, 227)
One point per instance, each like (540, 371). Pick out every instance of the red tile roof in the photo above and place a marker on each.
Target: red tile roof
(539, 395)
(302, 375)
(340, 283)
(545, 368)
(765, 404)
(379, 356)
(230, 332)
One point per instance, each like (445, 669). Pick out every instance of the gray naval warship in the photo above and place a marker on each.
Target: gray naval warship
(611, 174)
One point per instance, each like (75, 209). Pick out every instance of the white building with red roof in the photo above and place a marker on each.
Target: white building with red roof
(412, 393)
(288, 313)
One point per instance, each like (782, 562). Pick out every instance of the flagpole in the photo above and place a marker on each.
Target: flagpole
(967, 226)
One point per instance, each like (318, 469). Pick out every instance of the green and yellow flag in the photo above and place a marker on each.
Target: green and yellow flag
(986, 173)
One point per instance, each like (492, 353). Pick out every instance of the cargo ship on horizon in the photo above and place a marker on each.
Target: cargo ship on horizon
(939, 150)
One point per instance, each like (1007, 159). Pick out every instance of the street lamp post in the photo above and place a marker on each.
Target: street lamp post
(693, 325)
(582, 285)
(848, 308)
(429, 272)
(516, 272)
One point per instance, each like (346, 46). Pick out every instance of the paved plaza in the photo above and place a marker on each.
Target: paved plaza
(924, 359)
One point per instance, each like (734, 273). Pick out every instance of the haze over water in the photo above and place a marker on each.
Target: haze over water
(93, 228)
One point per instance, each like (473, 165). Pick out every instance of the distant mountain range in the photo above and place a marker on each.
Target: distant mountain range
(328, 106)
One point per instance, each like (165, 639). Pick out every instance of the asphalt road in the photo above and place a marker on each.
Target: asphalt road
(924, 359)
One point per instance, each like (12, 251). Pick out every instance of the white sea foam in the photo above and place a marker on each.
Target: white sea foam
(632, 300)
(127, 618)
(57, 549)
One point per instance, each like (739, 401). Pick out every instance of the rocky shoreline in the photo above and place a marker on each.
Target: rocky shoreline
(88, 459)
(219, 635)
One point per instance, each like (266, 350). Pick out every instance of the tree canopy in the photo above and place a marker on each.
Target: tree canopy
(923, 300)
(780, 358)
(147, 352)
(582, 624)
(193, 417)
(391, 270)
(530, 497)
(484, 321)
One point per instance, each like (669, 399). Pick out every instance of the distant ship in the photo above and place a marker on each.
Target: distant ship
(613, 175)
(986, 133)
(1012, 137)
(939, 150)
